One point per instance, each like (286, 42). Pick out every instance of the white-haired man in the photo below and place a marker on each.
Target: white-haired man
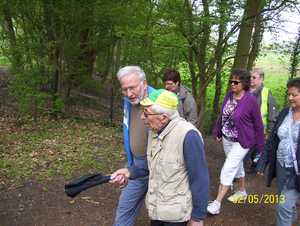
(134, 87)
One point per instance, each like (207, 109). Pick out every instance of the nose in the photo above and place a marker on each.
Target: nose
(143, 116)
(128, 92)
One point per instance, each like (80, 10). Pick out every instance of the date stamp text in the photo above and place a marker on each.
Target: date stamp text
(259, 199)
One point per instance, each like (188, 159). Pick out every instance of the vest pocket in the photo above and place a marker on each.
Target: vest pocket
(171, 167)
(169, 207)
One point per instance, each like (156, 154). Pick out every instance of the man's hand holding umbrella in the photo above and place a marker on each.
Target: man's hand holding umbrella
(121, 177)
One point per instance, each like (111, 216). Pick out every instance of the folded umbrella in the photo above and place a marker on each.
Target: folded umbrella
(87, 181)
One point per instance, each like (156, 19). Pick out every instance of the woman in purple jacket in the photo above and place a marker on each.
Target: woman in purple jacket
(241, 126)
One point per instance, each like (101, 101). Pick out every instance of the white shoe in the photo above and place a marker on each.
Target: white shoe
(238, 196)
(214, 207)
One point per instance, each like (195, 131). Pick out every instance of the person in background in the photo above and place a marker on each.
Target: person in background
(241, 124)
(134, 87)
(278, 152)
(178, 190)
(268, 112)
(187, 107)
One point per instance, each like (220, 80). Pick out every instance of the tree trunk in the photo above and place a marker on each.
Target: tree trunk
(243, 43)
(7, 25)
(257, 38)
(216, 104)
(201, 60)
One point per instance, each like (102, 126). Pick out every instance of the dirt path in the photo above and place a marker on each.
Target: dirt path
(45, 203)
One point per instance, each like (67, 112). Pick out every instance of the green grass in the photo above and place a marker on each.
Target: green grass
(276, 70)
(64, 147)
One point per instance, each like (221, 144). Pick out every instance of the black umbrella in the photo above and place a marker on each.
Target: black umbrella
(87, 181)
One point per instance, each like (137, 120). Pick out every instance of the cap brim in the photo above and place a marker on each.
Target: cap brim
(147, 102)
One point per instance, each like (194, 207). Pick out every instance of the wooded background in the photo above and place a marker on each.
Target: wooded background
(72, 40)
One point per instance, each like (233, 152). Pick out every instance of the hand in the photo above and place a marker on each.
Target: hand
(196, 223)
(120, 176)
(267, 136)
(218, 139)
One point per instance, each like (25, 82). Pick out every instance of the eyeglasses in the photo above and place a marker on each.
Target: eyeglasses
(234, 82)
(254, 77)
(148, 114)
(169, 84)
(131, 88)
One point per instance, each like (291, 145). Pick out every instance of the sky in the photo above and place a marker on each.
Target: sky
(288, 31)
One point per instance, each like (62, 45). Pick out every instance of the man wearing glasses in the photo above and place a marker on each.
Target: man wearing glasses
(178, 190)
(187, 107)
(134, 88)
(268, 112)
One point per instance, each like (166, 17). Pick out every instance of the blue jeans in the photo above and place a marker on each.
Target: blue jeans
(132, 198)
(286, 211)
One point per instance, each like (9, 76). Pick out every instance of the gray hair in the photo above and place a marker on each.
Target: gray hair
(172, 113)
(259, 72)
(131, 70)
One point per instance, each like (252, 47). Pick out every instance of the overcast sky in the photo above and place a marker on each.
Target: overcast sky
(288, 31)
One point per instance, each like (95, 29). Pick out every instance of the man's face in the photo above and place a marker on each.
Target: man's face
(152, 120)
(171, 86)
(133, 89)
(256, 80)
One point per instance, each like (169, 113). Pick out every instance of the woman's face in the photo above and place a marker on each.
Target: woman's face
(236, 87)
(294, 97)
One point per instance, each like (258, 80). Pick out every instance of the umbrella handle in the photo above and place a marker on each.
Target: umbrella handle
(125, 182)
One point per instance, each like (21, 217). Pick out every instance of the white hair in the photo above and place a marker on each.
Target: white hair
(259, 72)
(172, 113)
(131, 70)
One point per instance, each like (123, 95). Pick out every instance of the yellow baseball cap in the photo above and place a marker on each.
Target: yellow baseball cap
(163, 98)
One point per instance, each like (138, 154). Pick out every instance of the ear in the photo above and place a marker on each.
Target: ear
(165, 118)
(145, 82)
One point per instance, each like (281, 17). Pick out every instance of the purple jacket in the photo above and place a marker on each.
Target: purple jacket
(247, 118)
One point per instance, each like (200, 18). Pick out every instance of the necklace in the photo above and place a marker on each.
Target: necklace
(296, 114)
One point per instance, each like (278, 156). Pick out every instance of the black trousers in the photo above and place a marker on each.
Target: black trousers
(162, 223)
(250, 155)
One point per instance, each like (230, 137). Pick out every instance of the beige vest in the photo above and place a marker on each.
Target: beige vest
(169, 197)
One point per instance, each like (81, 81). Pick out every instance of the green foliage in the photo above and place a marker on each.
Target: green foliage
(26, 88)
(58, 106)
(4, 61)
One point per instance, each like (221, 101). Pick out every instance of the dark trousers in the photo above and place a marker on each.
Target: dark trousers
(162, 223)
(250, 155)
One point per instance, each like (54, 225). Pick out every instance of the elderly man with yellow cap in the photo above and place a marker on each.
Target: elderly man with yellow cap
(178, 189)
